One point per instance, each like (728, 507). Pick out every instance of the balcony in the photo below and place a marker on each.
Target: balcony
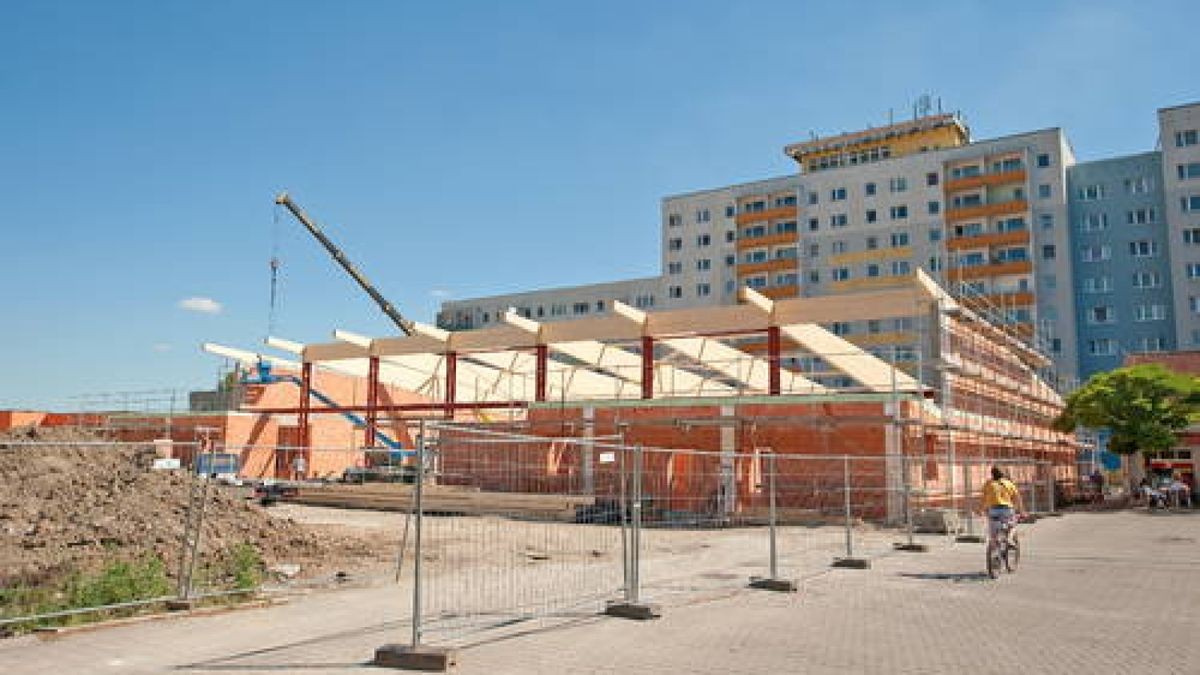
(768, 214)
(1011, 299)
(865, 283)
(987, 210)
(776, 292)
(773, 265)
(870, 255)
(988, 239)
(991, 270)
(773, 239)
(972, 182)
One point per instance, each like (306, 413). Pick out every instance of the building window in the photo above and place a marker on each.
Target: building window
(837, 220)
(1140, 216)
(841, 273)
(1186, 138)
(785, 227)
(703, 216)
(872, 243)
(1153, 344)
(813, 250)
(812, 198)
(1101, 314)
(813, 224)
(1044, 191)
(1043, 160)
(1048, 252)
(837, 194)
(899, 239)
(814, 277)
(935, 234)
(1189, 171)
(730, 211)
(674, 220)
(871, 215)
(899, 212)
(730, 286)
(787, 279)
(934, 207)
(1193, 270)
(1191, 235)
(1096, 253)
(1143, 249)
(870, 189)
(730, 236)
(1147, 280)
(703, 290)
(1190, 203)
(580, 308)
(931, 178)
(1093, 222)
(1097, 284)
(787, 200)
(872, 270)
(1050, 282)
(1091, 193)
(898, 184)
(757, 256)
(1102, 347)
(1193, 304)
(704, 264)
(1144, 313)
(674, 244)
(730, 260)
(1046, 220)
(1139, 185)
(758, 281)
(786, 253)
(900, 268)
(839, 247)
(674, 268)
(599, 305)
(704, 240)
(935, 263)
(675, 291)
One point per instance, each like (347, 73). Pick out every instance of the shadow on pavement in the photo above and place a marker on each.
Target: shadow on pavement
(956, 577)
(237, 662)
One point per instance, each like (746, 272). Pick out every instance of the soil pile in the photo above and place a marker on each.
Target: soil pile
(74, 503)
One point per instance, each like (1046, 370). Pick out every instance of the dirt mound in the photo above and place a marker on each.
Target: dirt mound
(72, 502)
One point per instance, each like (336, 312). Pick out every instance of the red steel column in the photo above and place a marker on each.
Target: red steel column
(451, 382)
(543, 358)
(372, 401)
(302, 422)
(773, 358)
(647, 367)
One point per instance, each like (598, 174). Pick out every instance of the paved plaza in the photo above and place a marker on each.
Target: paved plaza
(1098, 593)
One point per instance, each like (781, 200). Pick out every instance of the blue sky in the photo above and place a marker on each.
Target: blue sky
(459, 148)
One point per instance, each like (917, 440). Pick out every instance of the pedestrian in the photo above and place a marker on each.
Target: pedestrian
(299, 467)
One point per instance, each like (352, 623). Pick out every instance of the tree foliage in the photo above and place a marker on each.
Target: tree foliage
(1144, 407)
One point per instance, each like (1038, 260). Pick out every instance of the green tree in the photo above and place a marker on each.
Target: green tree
(1143, 406)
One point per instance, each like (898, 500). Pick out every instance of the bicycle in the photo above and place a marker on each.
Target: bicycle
(1004, 548)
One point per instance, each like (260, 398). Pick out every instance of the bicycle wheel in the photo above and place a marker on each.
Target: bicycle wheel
(993, 559)
(1012, 555)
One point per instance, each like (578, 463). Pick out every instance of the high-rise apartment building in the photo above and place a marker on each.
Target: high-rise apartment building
(1090, 261)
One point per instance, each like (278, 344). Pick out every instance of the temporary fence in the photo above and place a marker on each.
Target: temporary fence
(496, 527)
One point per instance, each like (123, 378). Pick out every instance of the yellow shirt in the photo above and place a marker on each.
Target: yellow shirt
(999, 493)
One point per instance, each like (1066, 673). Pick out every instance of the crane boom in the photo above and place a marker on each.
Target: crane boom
(404, 324)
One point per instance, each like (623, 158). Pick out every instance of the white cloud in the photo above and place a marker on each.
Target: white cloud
(440, 293)
(200, 304)
(160, 347)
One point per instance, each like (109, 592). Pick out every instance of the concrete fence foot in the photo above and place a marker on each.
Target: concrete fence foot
(415, 657)
(911, 548)
(852, 563)
(781, 585)
(633, 610)
(969, 539)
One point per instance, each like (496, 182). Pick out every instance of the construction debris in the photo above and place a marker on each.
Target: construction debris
(68, 506)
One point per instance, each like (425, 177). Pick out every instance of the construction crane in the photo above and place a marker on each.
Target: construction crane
(403, 324)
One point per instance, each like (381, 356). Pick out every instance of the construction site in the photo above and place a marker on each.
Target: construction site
(539, 451)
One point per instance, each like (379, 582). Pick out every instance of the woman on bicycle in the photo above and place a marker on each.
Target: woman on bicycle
(998, 499)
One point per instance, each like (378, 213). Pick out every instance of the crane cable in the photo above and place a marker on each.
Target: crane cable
(275, 265)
